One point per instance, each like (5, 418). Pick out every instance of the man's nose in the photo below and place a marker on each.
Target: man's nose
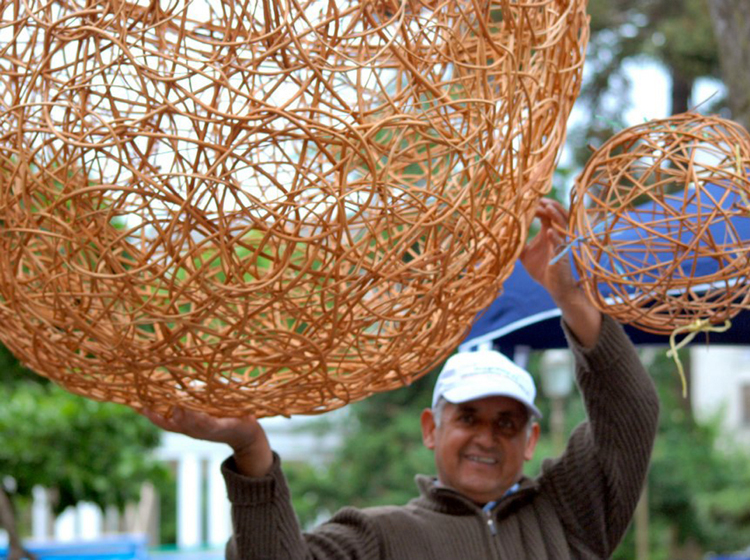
(485, 434)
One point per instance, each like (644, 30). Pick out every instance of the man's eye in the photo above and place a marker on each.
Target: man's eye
(509, 424)
(466, 419)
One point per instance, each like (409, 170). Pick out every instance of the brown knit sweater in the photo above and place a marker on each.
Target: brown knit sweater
(579, 507)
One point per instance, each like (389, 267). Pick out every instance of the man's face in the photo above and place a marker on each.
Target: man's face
(480, 446)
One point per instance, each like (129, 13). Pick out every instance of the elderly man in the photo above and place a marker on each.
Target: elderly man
(482, 429)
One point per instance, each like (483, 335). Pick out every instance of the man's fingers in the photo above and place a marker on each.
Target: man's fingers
(556, 212)
(162, 421)
(557, 240)
(178, 420)
(553, 216)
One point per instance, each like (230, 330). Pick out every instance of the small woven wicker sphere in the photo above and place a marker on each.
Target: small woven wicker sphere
(268, 207)
(655, 218)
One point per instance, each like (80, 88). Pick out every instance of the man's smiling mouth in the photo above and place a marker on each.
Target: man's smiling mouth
(483, 460)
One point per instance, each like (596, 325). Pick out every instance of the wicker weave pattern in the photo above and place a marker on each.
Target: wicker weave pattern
(682, 184)
(268, 207)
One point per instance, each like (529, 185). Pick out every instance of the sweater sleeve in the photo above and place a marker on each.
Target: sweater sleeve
(596, 483)
(265, 526)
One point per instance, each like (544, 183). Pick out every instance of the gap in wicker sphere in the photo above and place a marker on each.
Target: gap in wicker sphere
(268, 207)
(655, 217)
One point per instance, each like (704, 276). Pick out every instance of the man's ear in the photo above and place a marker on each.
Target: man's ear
(427, 420)
(528, 453)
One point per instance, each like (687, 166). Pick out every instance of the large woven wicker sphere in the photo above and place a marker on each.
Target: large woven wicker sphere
(268, 207)
(657, 214)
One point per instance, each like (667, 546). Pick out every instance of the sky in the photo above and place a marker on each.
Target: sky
(650, 94)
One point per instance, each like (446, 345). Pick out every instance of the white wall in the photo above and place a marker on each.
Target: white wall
(718, 375)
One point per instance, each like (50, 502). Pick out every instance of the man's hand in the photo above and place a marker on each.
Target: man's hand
(557, 278)
(244, 435)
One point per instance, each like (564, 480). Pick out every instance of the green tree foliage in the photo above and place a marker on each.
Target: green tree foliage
(699, 485)
(13, 373)
(80, 449)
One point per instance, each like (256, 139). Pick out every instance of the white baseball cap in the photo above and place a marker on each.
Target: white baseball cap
(467, 376)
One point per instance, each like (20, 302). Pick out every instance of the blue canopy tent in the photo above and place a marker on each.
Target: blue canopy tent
(525, 316)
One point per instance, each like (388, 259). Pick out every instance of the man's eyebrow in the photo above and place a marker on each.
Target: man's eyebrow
(463, 407)
(511, 414)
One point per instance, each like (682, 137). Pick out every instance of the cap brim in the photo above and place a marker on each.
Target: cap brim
(464, 394)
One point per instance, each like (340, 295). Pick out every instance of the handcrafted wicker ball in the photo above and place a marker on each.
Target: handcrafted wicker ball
(657, 218)
(268, 207)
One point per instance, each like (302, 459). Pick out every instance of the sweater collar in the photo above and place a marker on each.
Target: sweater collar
(447, 500)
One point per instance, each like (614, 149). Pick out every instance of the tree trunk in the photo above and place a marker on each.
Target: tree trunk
(8, 522)
(682, 90)
(731, 19)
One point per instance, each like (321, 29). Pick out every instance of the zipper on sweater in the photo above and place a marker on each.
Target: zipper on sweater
(494, 546)
(491, 523)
